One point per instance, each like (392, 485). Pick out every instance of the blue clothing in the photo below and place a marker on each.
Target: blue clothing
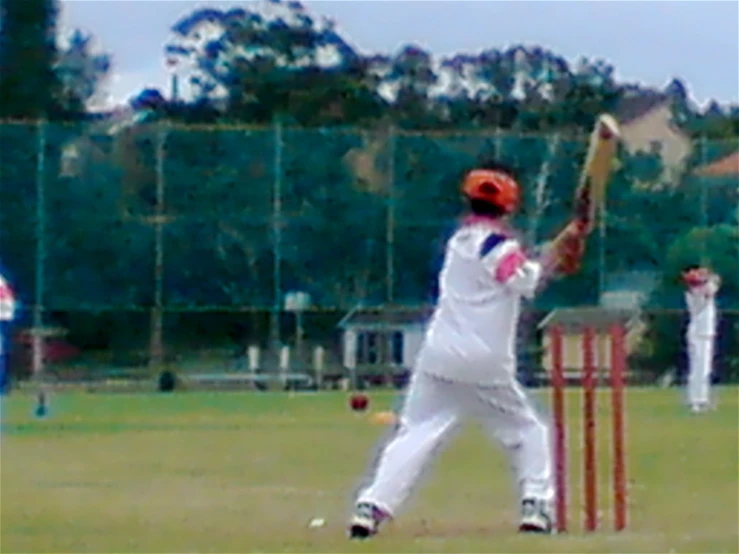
(4, 351)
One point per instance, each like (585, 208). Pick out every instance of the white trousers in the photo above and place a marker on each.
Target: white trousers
(434, 408)
(700, 357)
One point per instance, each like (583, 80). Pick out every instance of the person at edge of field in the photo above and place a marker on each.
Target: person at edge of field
(7, 314)
(466, 367)
(701, 285)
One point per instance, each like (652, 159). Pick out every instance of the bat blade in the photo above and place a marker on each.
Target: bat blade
(596, 171)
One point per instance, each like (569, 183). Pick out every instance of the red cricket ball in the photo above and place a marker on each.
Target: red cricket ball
(605, 132)
(359, 402)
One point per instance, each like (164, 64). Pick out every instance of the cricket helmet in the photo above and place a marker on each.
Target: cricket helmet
(695, 275)
(492, 187)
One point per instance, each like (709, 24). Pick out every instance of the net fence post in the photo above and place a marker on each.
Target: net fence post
(37, 346)
(703, 218)
(276, 235)
(156, 347)
(541, 189)
(737, 247)
(390, 224)
(602, 237)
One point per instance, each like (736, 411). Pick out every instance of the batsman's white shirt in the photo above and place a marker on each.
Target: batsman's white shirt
(466, 369)
(701, 304)
(472, 334)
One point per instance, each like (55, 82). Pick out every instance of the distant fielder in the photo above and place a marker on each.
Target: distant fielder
(700, 298)
(7, 313)
(466, 367)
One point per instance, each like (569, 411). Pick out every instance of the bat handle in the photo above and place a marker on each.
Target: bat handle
(583, 226)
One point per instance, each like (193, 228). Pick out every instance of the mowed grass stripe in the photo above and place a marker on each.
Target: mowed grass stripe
(245, 472)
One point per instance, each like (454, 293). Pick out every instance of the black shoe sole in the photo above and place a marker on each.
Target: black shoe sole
(533, 529)
(359, 532)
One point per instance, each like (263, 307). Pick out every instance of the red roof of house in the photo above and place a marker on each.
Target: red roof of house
(728, 165)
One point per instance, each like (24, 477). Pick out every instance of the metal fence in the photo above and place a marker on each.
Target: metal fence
(153, 221)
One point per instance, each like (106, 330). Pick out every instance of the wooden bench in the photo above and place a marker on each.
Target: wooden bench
(261, 381)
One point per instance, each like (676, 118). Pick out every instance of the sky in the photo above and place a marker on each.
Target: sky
(647, 41)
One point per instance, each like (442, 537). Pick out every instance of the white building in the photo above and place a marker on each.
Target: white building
(382, 342)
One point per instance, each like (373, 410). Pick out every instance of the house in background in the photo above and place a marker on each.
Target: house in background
(647, 125)
(573, 322)
(725, 171)
(382, 343)
(723, 167)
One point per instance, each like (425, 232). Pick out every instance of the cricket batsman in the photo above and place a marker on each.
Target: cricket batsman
(700, 297)
(7, 313)
(466, 367)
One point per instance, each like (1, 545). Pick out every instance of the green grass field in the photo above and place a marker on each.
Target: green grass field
(245, 472)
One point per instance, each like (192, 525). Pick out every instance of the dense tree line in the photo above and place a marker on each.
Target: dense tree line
(367, 152)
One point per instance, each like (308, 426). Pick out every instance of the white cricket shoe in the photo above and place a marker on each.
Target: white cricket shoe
(701, 407)
(366, 521)
(536, 516)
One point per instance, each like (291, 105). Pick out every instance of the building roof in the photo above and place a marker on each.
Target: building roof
(728, 165)
(599, 318)
(386, 317)
(631, 108)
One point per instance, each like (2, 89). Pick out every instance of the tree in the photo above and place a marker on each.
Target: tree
(80, 71)
(275, 59)
(28, 85)
(411, 77)
(38, 81)
(678, 91)
(715, 124)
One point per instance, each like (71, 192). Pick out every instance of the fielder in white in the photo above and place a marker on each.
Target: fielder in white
(700, 298)
(466, 367)
(7, 313)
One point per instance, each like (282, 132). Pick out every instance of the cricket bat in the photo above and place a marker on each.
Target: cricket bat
(596, 172)
(590, 194)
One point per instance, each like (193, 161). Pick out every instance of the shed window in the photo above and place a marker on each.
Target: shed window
(397, 348)
(361, 348)
(380, 347)
(372, 348)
